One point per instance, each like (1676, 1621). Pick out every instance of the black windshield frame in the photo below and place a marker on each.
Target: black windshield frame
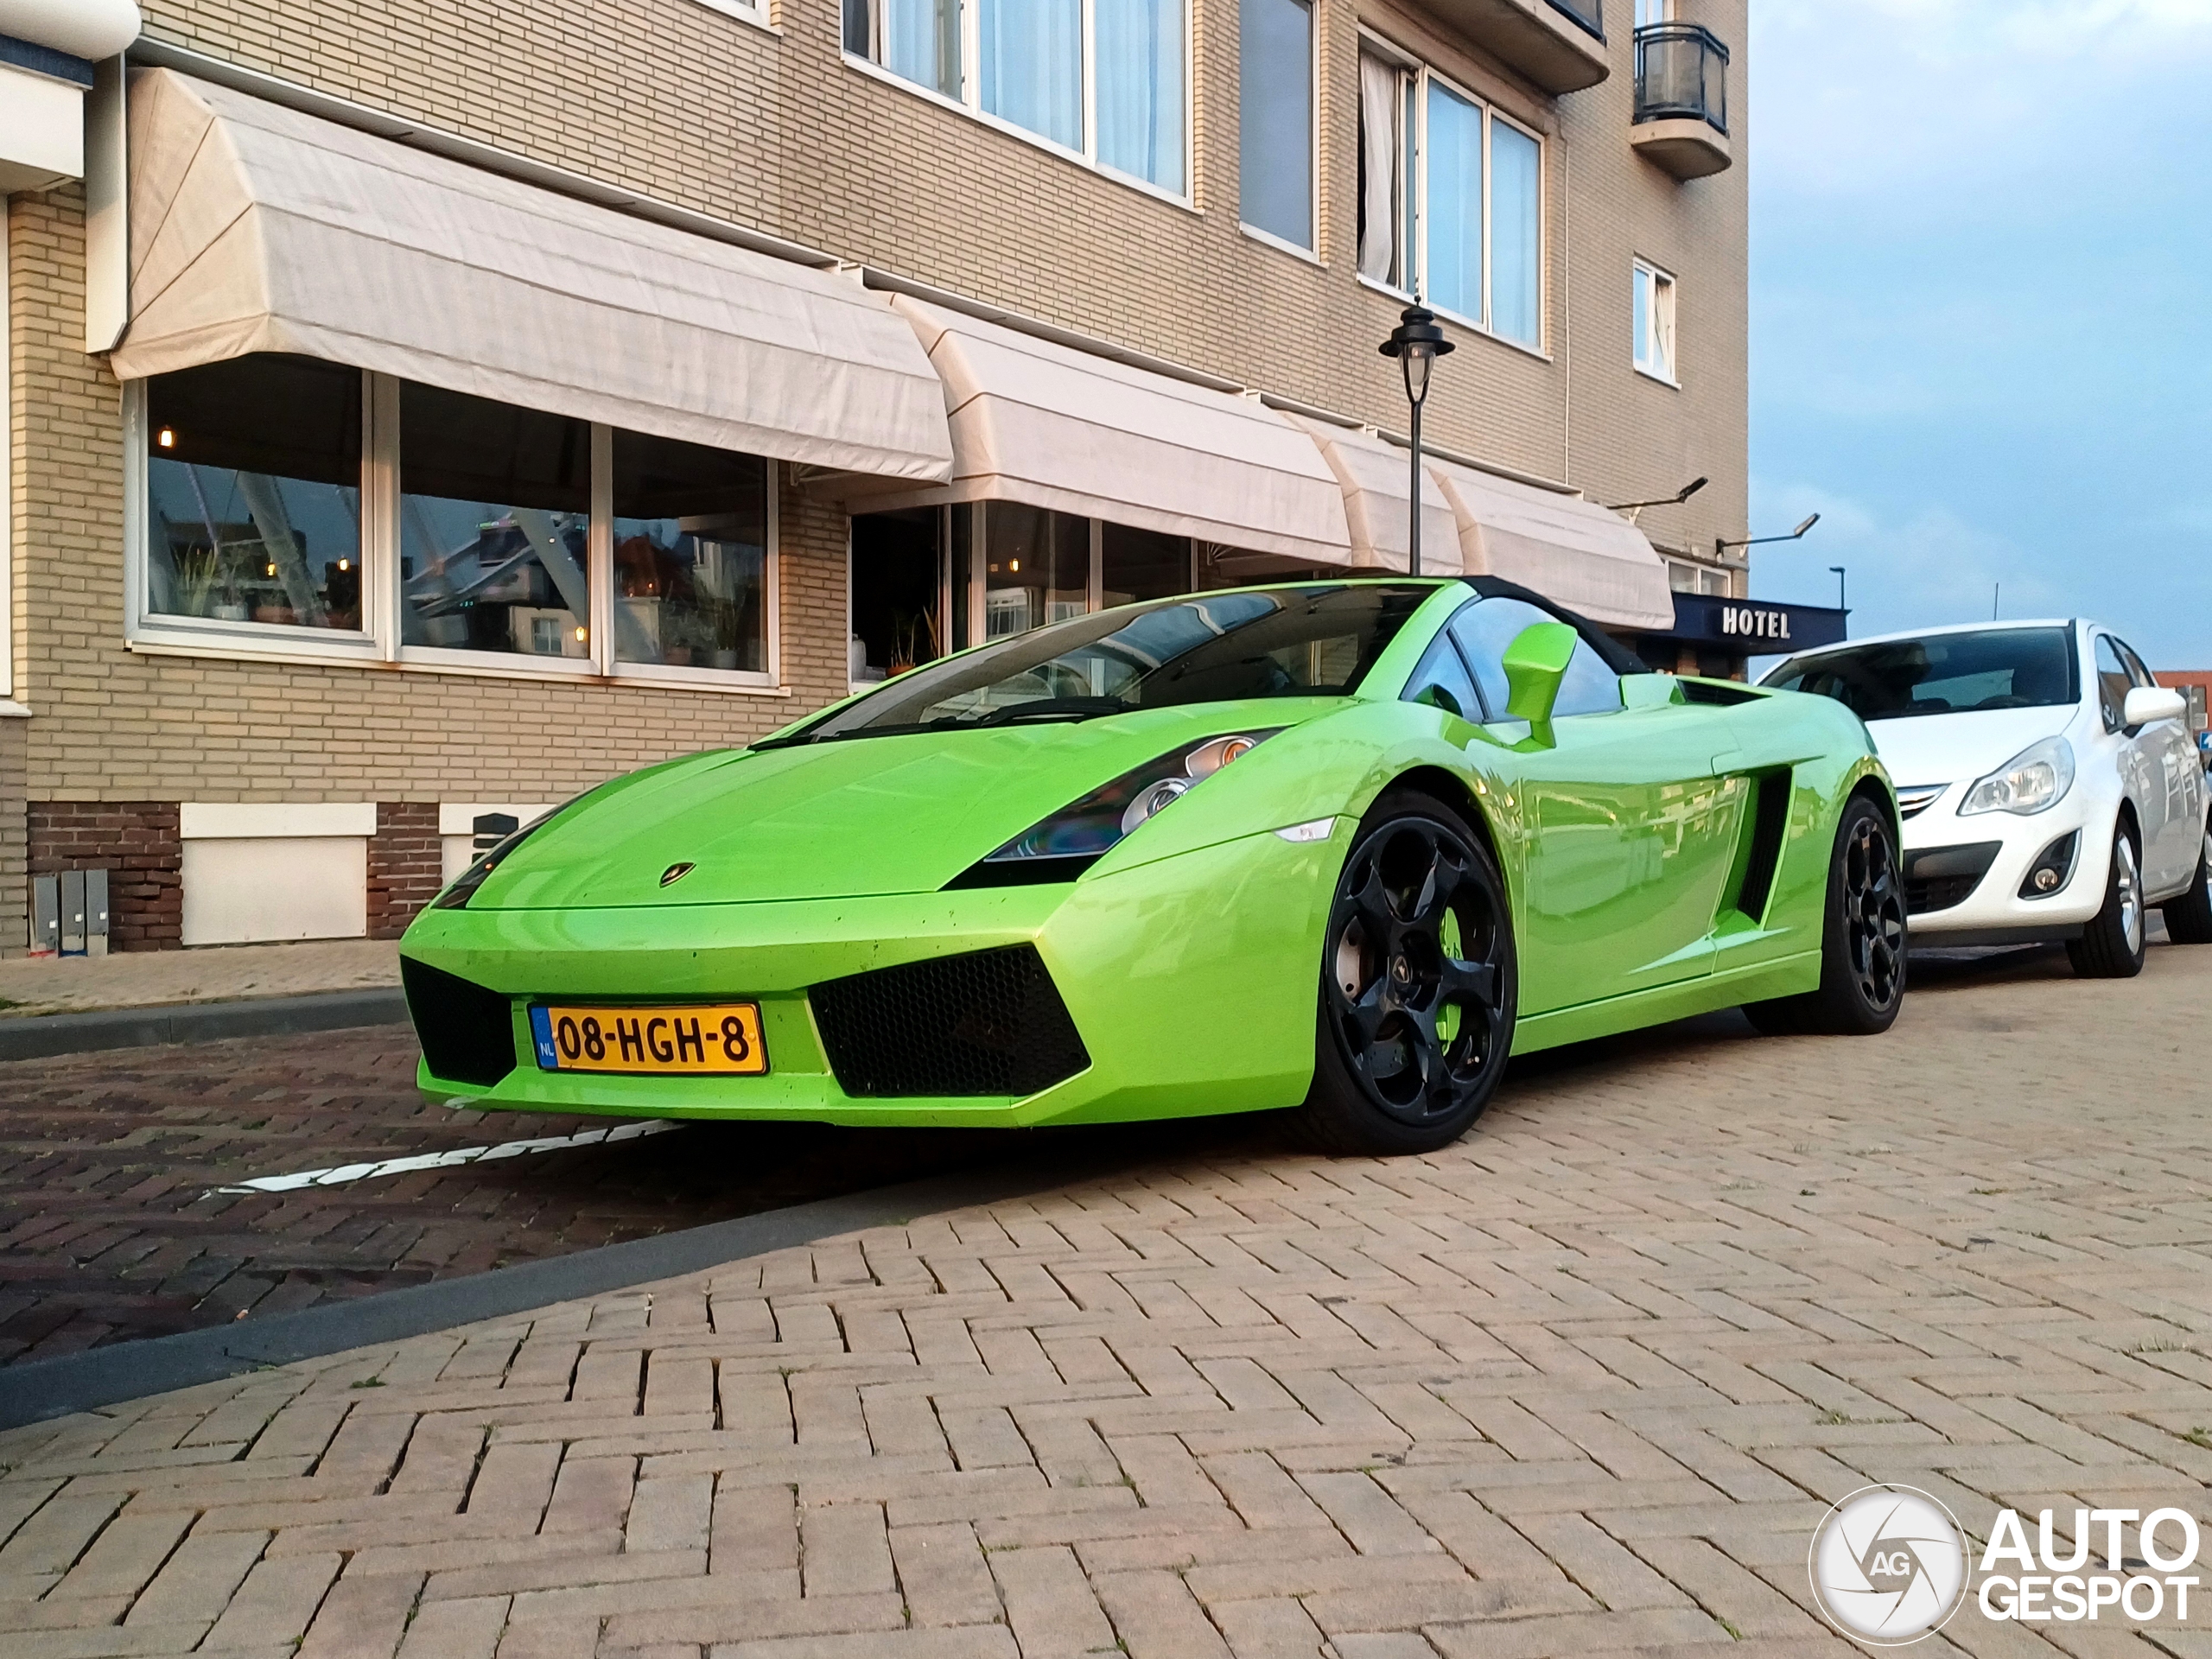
(1229, 632)
(1869, 672)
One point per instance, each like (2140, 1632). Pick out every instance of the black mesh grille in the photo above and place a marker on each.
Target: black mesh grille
(987, 1023)
(468, 1033)
(1938, 878)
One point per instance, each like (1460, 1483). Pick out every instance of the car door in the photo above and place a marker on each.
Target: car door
(1630, 833)
(2136, 754)
(2170, 756)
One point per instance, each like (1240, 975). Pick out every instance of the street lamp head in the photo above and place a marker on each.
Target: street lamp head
(1416, 342)
(1807, 526)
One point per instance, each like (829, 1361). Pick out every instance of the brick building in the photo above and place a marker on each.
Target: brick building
(416, 415)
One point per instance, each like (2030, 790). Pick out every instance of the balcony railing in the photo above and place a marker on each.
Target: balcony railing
(1588, 14)
(1682, 74)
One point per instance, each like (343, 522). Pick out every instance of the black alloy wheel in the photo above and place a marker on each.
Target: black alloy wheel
(1873, 911)
(1417, 985)
(1863, 937)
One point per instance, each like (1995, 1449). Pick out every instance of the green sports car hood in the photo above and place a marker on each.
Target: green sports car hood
(898, 813)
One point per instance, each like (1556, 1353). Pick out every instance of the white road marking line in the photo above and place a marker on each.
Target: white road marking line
(344, 1174)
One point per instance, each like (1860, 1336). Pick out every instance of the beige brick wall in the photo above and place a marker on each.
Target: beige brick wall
(775, 131)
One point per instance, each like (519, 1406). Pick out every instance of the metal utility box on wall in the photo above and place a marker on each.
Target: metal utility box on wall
(69, 914)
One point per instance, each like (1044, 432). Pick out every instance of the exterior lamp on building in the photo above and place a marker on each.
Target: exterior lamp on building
(1416, 342)
(1720, 548)
(1674, 500)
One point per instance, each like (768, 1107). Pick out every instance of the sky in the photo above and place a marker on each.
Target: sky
(1981, 311)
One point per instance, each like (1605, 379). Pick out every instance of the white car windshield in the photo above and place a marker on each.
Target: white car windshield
(1942, 674)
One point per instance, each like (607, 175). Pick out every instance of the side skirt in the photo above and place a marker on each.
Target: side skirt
(1728, 989)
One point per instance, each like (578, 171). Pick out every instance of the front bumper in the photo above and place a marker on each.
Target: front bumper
(1191, 980)
(1941, 849)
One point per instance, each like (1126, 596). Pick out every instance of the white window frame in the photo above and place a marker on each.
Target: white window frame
(1664, 364)
(1310, 253)
(1415, 77)
(1697, 575)
(1648, 12)
(377, 642)
(755, 14)
(971, 101)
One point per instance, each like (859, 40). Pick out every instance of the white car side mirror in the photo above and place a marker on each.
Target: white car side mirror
(2146, 703)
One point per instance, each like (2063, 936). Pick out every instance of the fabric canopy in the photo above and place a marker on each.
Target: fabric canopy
(256, 228)
(1586, 557)
(1037, 422)
(1377, 478)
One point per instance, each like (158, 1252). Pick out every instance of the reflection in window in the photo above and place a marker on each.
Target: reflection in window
(1027, 67)
(690, 556)
(1275, 116)
(1486, 628)
(1136, 564)
(1516, 218)
(492, 526)
(1031, 54)
(1454, 235)
(253, 479)
(1036, 568)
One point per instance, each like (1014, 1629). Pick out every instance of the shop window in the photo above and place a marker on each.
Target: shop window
(406, 523)
(1036, 568)
(1028, 65)
(1652, 319)
(494, 526)
(690, 556)
(1450, 199)
(253, 493)
(1137, 564)
(896, 602)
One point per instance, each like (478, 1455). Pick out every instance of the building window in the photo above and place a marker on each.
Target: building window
(1106, 80)
(1653, 310)
(1648, 12)
(494, 526)
(1684, 578)
(1276, 118)
(287, 505)
(690, 556)
(253, 493)
(1451, 200)
(915, 573)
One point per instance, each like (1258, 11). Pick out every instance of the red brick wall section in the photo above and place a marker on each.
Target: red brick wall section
(404, 865)
(138, 844)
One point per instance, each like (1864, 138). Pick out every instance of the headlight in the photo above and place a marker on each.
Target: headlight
(456, 897)
(1090, 826)
(2032, 780)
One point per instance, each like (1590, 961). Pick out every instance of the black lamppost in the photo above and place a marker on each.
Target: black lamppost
(1416, 342)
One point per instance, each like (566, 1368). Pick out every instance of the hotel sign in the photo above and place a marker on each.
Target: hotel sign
(1752, 627)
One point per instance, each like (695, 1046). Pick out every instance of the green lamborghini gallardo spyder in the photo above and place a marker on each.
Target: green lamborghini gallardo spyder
(1341, 846)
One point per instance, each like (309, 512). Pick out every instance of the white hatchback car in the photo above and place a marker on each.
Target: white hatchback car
(2050, 787)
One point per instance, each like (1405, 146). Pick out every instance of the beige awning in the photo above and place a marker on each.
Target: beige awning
(1377, 478)
(256, 228)
(1037, 422)
(1586, 557)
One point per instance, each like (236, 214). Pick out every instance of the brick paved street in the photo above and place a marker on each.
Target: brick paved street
(110, 1227)
(1582, 1384)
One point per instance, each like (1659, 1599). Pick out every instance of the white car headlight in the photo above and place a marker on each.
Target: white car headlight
(2036, 779)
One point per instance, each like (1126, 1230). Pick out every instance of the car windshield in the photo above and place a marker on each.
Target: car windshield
(1942, 674)
(1314, 640)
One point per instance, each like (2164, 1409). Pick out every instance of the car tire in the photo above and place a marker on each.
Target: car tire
(2111, 945)
(2189, 917)
(1862, 938)
(1418, 986)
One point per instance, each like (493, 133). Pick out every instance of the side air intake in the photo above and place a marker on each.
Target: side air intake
(468, 1033)
(990, 1022)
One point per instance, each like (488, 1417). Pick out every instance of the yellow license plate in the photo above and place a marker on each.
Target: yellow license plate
(714, 1039)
